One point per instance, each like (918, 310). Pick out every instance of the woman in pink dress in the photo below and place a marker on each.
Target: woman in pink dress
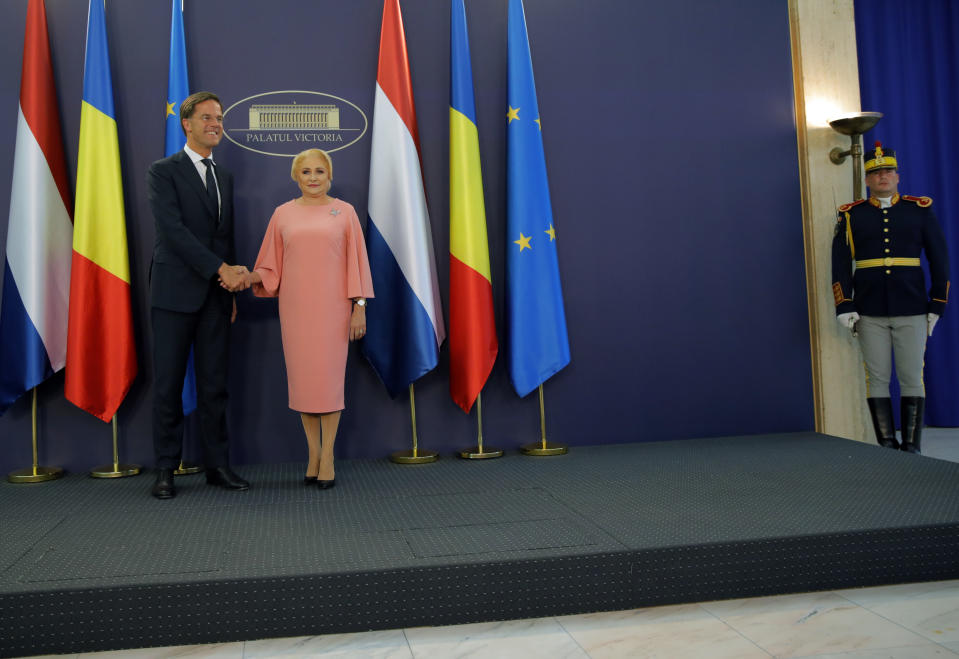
(313, 258)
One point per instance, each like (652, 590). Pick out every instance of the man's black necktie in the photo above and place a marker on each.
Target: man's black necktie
(210, 182)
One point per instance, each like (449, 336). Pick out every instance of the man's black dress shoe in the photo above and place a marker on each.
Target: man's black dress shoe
(163, 487)
(325, 485)
(226, 477)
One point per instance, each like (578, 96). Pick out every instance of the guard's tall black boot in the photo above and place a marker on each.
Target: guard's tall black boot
(913, 413)
(882, 422)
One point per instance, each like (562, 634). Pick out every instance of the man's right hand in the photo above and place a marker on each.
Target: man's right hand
(234, 277)
(848, 320)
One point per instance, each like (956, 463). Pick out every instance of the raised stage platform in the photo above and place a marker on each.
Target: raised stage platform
(90, 564)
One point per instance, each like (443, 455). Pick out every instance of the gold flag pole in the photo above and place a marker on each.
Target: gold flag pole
(115, 470)
(543, 447)
(416, 456)
(187, 468)
(479, 452)
(34, 474)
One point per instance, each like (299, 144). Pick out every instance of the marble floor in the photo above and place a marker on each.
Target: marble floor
(911, 621)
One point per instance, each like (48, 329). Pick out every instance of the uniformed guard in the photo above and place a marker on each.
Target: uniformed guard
(881, 295)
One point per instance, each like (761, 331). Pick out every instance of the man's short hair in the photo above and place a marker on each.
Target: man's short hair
(188, 106)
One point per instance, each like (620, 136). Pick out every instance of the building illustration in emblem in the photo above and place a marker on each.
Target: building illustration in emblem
(294, 117)
(283, 123)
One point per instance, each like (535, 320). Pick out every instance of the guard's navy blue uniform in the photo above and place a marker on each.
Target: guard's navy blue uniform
(888, 291)
(885, 244)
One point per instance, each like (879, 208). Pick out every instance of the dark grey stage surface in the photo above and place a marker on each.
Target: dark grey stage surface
(91, 564)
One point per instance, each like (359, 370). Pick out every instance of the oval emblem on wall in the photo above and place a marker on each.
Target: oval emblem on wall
(286, 122)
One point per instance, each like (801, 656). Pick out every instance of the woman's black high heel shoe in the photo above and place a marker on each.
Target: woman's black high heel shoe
(309, 480)
(325, 485)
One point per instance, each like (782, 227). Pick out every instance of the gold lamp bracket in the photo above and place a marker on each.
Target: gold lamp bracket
(853, 125)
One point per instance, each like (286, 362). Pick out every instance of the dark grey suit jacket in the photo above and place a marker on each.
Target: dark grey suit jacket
(191, 242)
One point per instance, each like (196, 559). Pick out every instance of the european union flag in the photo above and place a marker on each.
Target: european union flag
(539, 346)
(178, 88)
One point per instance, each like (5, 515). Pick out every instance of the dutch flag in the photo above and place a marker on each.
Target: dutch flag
(405, 322)
(36, 278)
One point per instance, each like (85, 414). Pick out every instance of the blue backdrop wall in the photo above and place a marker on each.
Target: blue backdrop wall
(671, 147)
(918, 95)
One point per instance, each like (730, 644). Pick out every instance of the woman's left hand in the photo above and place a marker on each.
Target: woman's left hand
(358, 323)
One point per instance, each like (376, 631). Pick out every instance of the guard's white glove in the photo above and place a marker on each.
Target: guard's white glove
(931, 319)
(848, 320)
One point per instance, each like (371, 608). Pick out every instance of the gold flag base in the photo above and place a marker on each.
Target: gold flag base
(414, 457)
(185, 469)
(543, 448)
(480, 453)
(114, 470)
(34, 474)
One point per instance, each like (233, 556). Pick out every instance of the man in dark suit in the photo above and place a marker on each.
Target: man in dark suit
(192, 202)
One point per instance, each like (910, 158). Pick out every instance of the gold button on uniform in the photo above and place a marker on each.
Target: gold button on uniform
(885, 240)
(888, 272)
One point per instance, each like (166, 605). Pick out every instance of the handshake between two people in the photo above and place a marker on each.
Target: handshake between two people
(235, 278)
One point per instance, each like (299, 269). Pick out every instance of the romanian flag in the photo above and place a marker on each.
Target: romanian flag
(101, 356)
(405, 321)
(538, 343)
(178, 88)
(473, 344)
(36, 279)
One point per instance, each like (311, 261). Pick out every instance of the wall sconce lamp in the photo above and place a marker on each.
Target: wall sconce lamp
(853, 125)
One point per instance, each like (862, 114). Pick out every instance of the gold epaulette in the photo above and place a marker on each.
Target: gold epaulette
(846, 207)
(922, 202)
